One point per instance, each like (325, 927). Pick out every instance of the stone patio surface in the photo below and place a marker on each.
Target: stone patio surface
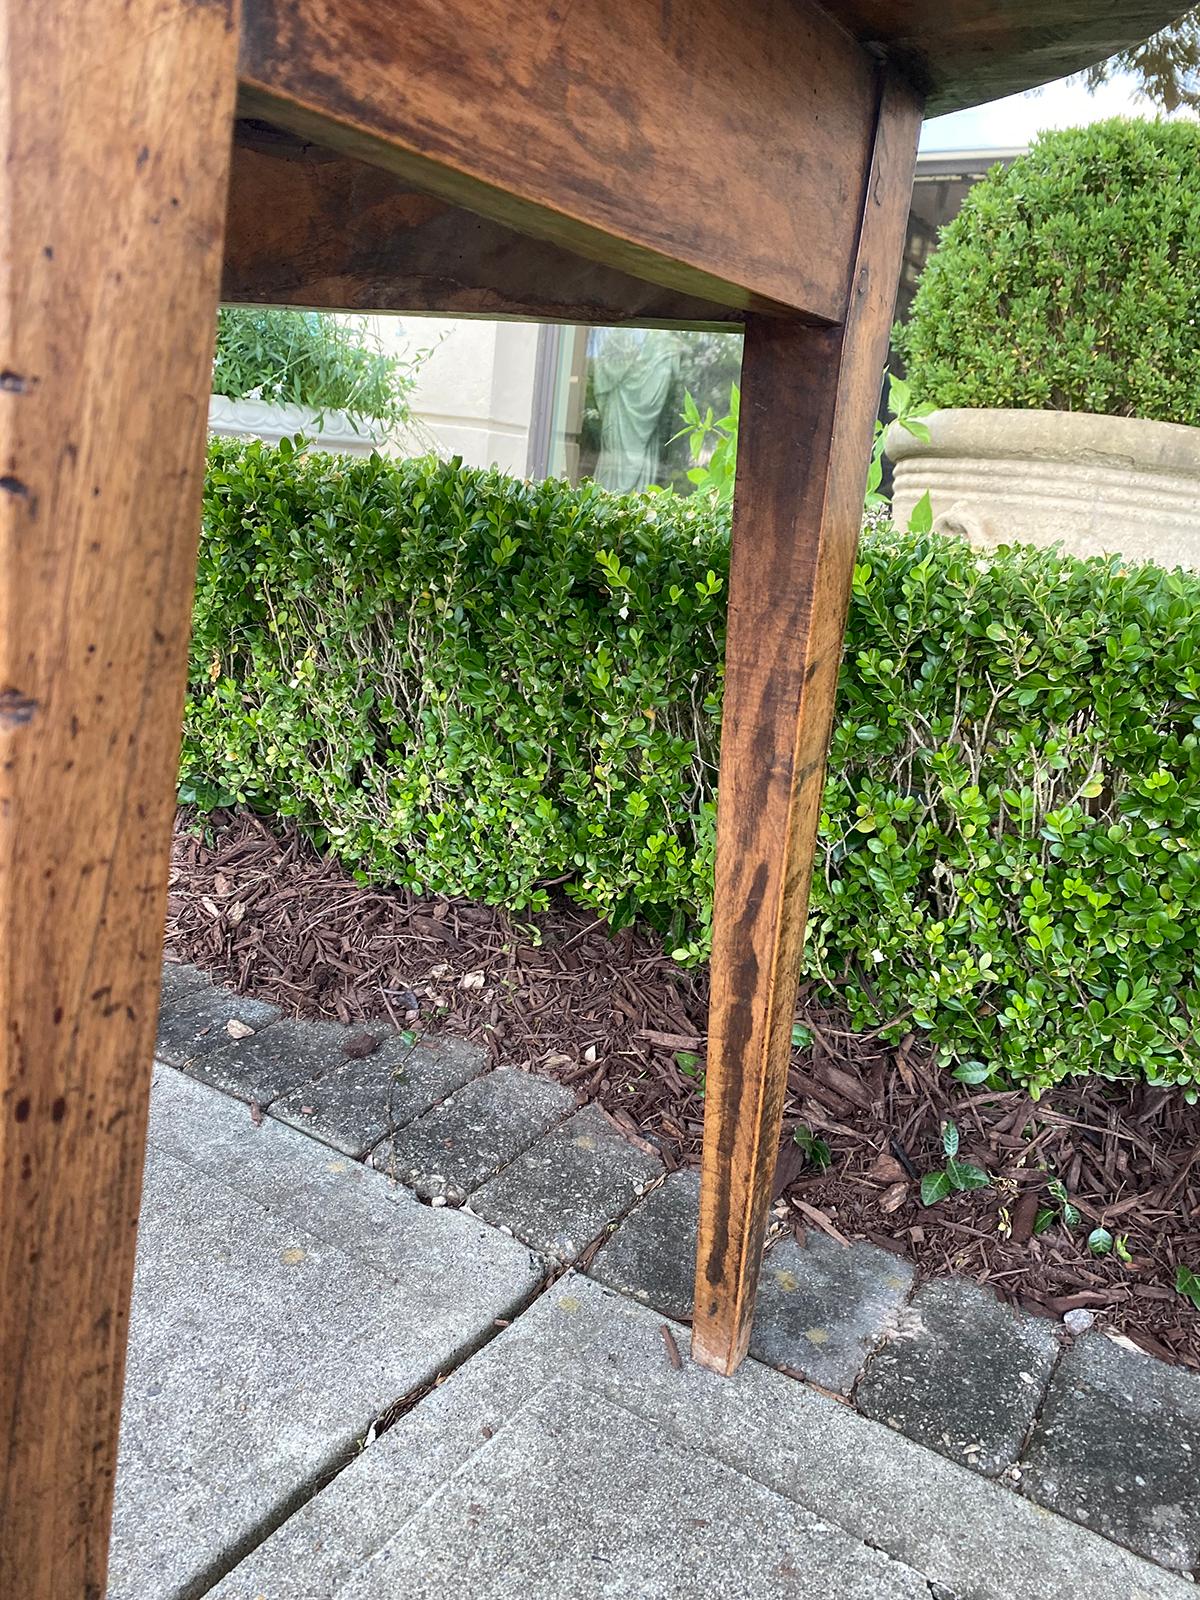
(389, 1378)
(285, 1297)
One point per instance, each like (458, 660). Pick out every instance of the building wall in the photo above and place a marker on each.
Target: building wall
(475, 388)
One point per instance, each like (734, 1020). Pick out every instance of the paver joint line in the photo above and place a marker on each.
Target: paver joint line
(962, 1373)
(565, 1188)
(1035, 1420)
(1116, 1449)
(967, 1538)
(884, 1335)
(572, 1474)
(283, 1303)
(521, 1157)
(475, 1133)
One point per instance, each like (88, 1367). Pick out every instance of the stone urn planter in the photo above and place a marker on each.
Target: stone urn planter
(262, 419)
(1096, 485)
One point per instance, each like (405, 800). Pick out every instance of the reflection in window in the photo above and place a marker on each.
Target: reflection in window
(608, 402)
(633, 372)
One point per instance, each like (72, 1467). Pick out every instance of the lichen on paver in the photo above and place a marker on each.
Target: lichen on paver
(823, 1308)
(192, 1022)
(568, 1186)
(357, 1103)
(268, 1062)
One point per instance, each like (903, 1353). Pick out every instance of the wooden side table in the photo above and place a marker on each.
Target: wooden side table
(708, 163)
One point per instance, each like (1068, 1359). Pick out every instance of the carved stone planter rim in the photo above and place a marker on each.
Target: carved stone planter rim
(989, 434)
(272, 421)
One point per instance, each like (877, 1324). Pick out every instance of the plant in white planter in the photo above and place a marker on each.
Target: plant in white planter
(1057, 331)
(277, 373)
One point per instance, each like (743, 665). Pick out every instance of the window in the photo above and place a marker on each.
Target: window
(608, 402)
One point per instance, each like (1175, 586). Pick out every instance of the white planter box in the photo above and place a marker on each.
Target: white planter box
(1094, 484)
(260, 419)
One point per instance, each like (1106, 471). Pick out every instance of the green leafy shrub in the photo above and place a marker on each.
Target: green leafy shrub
(308, 358)
(462, 680)
(712, 444)
(473, 685)
(1070, 280)
(1011, 815)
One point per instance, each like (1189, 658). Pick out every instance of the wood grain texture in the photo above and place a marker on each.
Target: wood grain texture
(963, 52)
(116, 120)
(716, 148)
(308, 227)
(808, 403)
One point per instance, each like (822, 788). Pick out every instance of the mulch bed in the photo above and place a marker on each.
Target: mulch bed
(614, 1018)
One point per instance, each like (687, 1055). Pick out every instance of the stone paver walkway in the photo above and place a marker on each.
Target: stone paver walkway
(285, 1298)
(316, 1253)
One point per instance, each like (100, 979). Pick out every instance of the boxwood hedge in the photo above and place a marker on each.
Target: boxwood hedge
(478, 686)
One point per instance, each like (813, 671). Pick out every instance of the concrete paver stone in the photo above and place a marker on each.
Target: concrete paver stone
(962, 1373)
(1117, 1447)
(566, 1187)
(461, 1143)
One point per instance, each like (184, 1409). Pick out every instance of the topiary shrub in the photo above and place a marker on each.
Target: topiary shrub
(477, 686)
(1070, 281)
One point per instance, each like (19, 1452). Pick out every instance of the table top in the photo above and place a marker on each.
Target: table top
(965, 52)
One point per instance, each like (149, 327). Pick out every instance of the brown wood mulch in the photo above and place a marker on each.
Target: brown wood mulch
(614, 1018)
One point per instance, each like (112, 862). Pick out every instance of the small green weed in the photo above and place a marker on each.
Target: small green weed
(1187, 1283)
(689, 1065)
(1102, 1243)
(1062, 1209)
(955, 1176)
(816, 1150)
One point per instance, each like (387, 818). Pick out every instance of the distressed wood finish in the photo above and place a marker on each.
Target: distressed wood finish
(704, 158)
(808, 402)
(976, 50)
(116, 124)
(714, 147)
(308, 227)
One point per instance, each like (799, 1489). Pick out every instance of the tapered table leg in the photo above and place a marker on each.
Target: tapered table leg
(808, 402)
(117, 119)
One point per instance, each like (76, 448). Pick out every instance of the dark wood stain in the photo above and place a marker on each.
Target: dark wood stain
(731, 1087)
(963, 54)
(596, 136)
(808, 400)
(309, 227)
(16, 709)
